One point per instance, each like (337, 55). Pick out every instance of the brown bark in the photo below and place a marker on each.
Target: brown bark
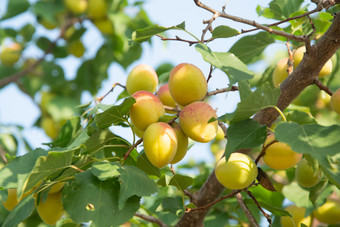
(303, 76)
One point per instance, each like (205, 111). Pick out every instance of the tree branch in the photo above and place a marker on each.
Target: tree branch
(246, 210)
(151, 219)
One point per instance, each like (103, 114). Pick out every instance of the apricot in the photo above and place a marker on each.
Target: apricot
(50, 127)
(298, 217)
(280, 155)
(97, 8)
(10, 54)
(104, 25)
(298, 55)
(76, 48)
(76, 6)
(11, 200)
(305, 174)
(51, 210)
(194, 119)
(220, 134)
(335, 101)
(182, 143)
(142, 78)
(187, 84)
(56, 187)
(160, 144)
(237, 173)
(48, 24)
(147, 109)
(280, 72)
(329, 212)
(164, 95)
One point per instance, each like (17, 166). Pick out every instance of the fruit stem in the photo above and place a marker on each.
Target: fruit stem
(280, 112)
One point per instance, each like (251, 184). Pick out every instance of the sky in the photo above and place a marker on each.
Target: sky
(17, 108)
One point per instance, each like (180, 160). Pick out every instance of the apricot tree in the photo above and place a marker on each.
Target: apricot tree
(279, 164)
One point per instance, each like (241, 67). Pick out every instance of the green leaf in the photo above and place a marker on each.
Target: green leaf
(280, 9)
(47, 166)
(235, 69)
(105, 170)
(297, 195)
(261, 98)
(223, 31)
(144, 164)
(48, 9)
(319, 141)
(249, 48)
(171, 205)
(19, 168)
(274, 210)
(141, 35)
(181, 182)
(115, 115)
(20, 212)
(272, 198)
(245, 134)
(300, 117)
(89, 199)
(27, 31)
(15, 7)
(320, 193)
(133, 181)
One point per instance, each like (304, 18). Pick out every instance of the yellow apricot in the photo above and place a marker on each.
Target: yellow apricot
(56, 187)
(182, 143)
(97, 8)
(104, 25)
(237, 173)
(280, 155)
(280, 72)
(194, 119)
(160, 144)
(11, 200)
(220, 134)
(298, 217)
(76, 48)
(329, 212)
(335, 101)
(142, 78)
(164, 95)
(76, 6)
(51, 210)
(187, 84)
(10, 54)
(305, 174)
(147, 109)
(50, 127)
(298, 55)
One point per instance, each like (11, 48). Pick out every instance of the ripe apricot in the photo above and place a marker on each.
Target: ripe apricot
(194, 119)
(335, 101)
(298, 55)
(142, 78)
(298, 217)
(164, 95)
(97, 8)
(10, 54)
(51, 210)
(182, 143)
(56, 187)
(329, 212)
(280, 72)
(187, 84)
(305, 174)
(237, 173)
(50, 127)
(147, 109)
(280, 155)
(160, 144)
(76, 6)
(104, 25)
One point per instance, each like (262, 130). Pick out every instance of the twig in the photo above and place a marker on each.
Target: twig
(291, 60)
(18, 75)
(258, 205)
(252, 23)
(175, 109)
(318, 83)
(312, 24)
(150, 219)
(126, 155)
(98, 100)
(216, 201)
(209, 22)
(210, 73)
(222, 90)
(264, 148)
(179, 39)
(224, 7)
(246, 210)
(191, 196)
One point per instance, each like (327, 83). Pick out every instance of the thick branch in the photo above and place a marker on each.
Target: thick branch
(302, 76)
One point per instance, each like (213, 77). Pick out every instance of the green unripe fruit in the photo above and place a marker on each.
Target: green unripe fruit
(187, 84)
(236, 173)
(142, 78)
(194, 119)
(160, 144)
(76, 48)
(305, 174)
(76, 6)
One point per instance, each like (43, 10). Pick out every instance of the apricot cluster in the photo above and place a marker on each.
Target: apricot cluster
(163, 143)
